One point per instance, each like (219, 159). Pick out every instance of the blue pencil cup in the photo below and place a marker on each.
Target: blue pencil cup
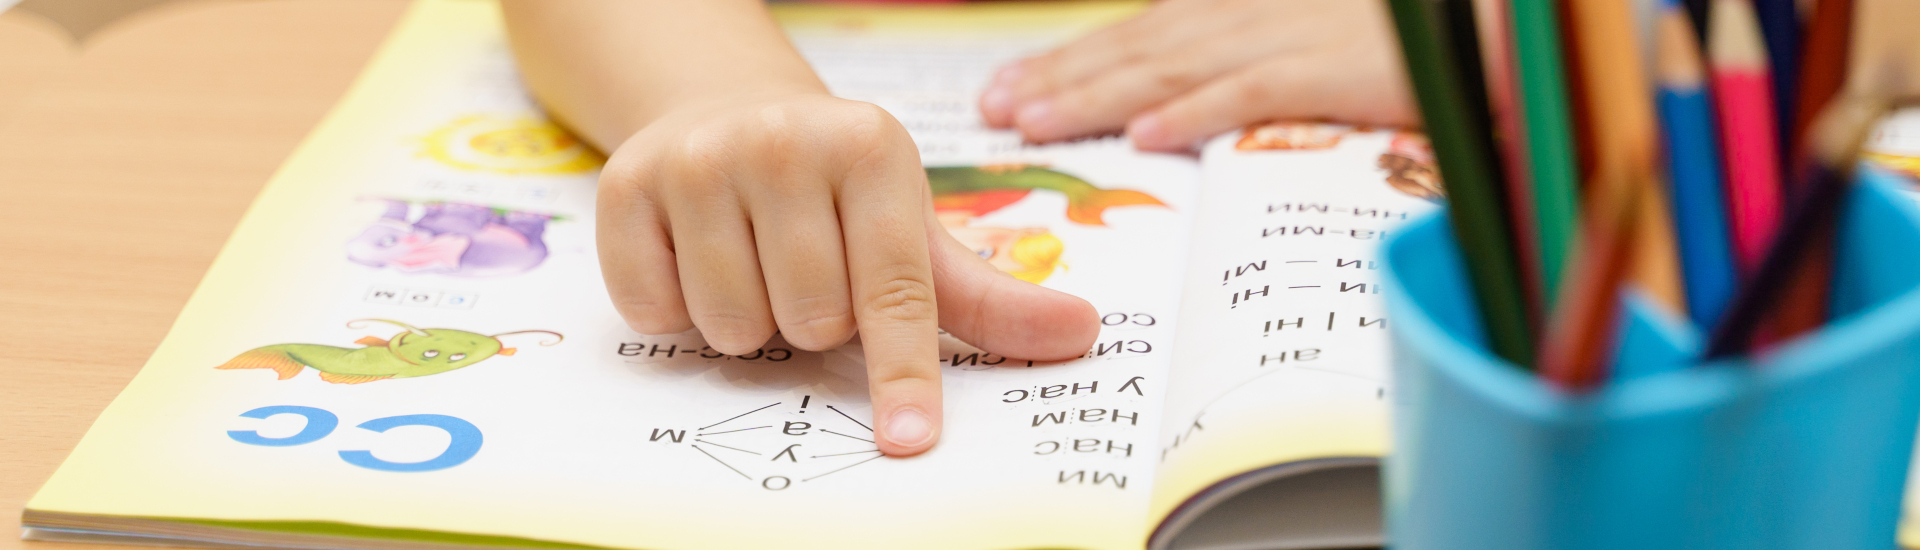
(1805, 447)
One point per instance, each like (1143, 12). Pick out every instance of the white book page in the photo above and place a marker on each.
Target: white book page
(1895, 145)
(1283, 348)
(608, 437)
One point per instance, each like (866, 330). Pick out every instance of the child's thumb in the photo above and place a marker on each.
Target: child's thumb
(1003, 315)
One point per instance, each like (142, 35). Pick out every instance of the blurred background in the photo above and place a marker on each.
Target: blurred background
(40, 37)
(78, 18)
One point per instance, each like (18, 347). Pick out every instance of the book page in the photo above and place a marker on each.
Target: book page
(1282, 354)
(1895, 147)
(408, 337)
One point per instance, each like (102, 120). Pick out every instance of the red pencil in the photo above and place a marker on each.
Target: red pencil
(1745, 104)
(1823, 70)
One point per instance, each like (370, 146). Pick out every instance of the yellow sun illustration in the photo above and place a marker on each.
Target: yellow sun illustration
(508, 145)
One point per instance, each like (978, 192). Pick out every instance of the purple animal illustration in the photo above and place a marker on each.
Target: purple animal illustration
(456, 239)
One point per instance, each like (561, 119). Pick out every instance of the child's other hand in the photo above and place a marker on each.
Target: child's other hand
(811, 215)
(1187, 70)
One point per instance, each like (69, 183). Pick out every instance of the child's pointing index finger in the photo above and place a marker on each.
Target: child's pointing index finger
(882, 201)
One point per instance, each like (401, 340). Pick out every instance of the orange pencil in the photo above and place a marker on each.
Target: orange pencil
(1745, 104)
(1618, 105)
(1616, 97)
(1573, 354)
(1656, 248)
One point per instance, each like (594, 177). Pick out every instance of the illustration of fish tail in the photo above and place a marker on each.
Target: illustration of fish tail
(1087, 206)
(266, 358)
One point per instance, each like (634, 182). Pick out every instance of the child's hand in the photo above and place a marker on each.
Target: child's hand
(811, 215)
(1189, 69)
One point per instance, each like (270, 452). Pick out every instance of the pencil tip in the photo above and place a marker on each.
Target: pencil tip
(1677, 58)
(1733, 36)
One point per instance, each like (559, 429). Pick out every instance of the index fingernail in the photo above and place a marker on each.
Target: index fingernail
(1148, 132)
(1037, 118)
(909, 428)
(997, 101)
(1146, 128)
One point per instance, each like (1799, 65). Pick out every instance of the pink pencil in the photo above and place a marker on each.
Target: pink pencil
(1741, 88)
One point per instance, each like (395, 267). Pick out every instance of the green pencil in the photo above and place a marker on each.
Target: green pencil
(1543, 99)
(1464, 148)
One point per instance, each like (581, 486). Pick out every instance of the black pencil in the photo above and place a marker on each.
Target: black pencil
(1463, 144)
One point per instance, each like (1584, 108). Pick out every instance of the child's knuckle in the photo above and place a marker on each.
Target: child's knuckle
(703, 148)
(1176, 77)
(732, 332)
(1253, 91)
(866, 121)
(901, 299)
(703, 159)
(652, 317)
(816, 328)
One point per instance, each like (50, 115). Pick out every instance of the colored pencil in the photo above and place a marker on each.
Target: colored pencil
(1573, 355)
(1803, 304)
(1656, 250)
(1742, 92)
(1549, 149)
(1494, 26)
(1463, 148)
(1616, 96)
(1780, 31)
(1838, 133)
(1823, 70)
(1693, 170)
(1621, 129)
(1646, 17)
(1700, 12)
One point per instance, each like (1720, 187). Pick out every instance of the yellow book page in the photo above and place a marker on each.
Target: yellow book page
(408, 331)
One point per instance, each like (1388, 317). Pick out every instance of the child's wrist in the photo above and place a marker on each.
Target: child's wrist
(691, 107)
(710, 99)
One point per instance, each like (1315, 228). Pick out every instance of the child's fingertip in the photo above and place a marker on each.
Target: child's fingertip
(1037, 120)
(1146, 125)
(1149, 132)
(908, 431)
(997, 105)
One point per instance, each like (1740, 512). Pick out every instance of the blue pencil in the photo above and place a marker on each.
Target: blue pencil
(1780, 28)
(1693, 168)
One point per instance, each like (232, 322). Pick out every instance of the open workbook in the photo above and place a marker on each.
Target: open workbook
(406, 343)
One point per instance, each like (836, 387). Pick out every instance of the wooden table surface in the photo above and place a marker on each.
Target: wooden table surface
(124, 164)
(32, 51)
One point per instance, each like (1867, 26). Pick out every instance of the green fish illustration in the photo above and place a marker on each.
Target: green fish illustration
(412, 353)
(981, 189)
